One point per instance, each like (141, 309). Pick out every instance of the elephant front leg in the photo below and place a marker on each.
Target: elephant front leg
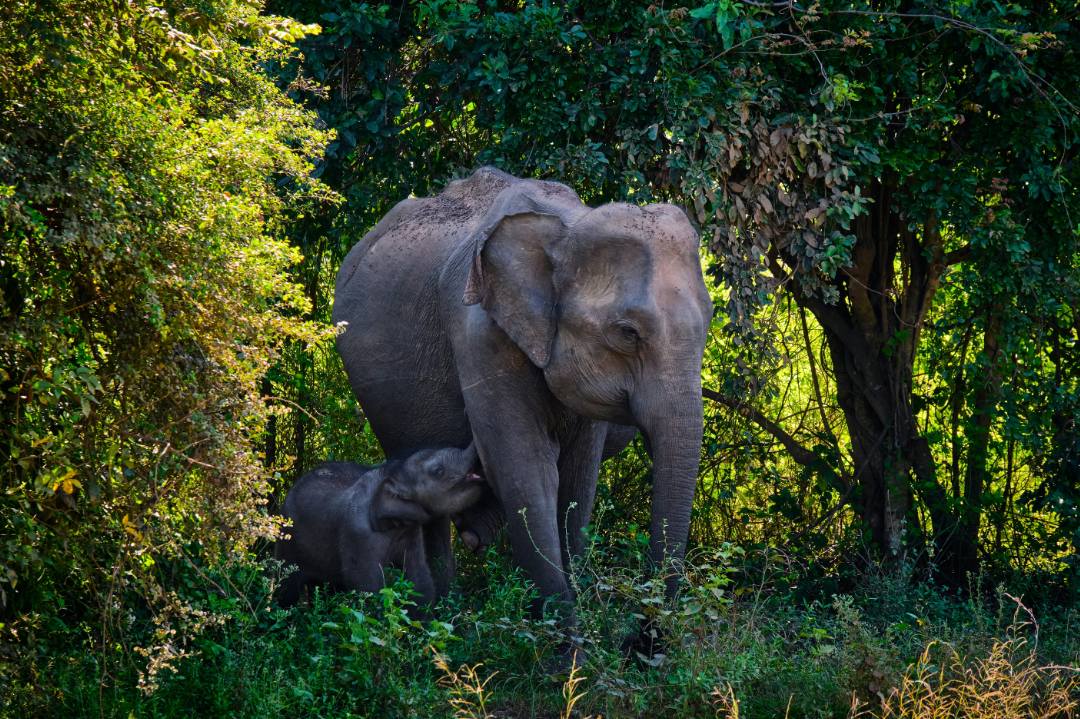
(512, 415)
(519, 457)
(579, 466)
(361, 565)
(530, 500)
(417, 568)
(440, 555)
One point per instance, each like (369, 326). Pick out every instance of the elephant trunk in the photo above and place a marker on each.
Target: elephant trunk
(674, 433)
(469, 456)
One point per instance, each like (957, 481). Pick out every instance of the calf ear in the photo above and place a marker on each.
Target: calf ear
(393, 507)
(392, 511)
(403, 511)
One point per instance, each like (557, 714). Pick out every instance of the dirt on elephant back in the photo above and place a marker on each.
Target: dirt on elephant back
(472, 196)
(463, 203)
(478, 189)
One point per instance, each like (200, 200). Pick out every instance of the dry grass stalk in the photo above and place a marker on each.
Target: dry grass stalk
(468, 692)
(1007, 683)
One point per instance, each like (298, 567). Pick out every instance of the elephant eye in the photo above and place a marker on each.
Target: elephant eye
(437, 471)
(625, 335)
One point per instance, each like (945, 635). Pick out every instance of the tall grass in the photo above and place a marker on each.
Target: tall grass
(1008, 681)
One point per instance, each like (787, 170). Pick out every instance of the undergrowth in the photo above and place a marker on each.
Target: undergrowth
(734, 645)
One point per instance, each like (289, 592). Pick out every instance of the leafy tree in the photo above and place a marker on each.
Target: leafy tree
(146, 166)
(855, 160)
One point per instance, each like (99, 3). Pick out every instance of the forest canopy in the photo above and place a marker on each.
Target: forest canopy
(888, 199)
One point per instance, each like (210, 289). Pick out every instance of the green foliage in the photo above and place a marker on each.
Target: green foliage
(147, 164)
(734, 635)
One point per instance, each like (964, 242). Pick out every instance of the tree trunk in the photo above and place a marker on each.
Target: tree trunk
(965, 558)
(879, 443)
(872, 334)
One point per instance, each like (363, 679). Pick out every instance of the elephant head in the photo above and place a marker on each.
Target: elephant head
(431, 483)
(611, 305)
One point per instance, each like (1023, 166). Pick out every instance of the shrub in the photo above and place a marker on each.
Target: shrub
(146, 165)
(731, 648)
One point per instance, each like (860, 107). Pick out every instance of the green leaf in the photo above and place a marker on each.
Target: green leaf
(704, 12)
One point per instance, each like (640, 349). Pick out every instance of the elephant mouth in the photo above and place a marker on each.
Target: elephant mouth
(475, 474)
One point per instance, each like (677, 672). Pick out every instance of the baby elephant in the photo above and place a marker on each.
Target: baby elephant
(349, 521)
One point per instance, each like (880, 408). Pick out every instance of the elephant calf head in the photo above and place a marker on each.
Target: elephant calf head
(428, 484)
(348, 522)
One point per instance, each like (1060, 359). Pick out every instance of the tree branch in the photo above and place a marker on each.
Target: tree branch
(961, 254)
(798, 452)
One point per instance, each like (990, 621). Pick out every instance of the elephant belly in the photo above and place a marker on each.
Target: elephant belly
(407, 417)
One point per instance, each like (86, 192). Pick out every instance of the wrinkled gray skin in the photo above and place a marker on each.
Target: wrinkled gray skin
(349, 521)
(507, 310)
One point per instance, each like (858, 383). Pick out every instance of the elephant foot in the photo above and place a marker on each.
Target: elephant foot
(421, 612)
(479, 525)
(471, 540)
(646, 645)
(476, 542)
(569, 657)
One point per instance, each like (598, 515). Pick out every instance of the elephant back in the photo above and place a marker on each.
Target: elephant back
(471, 198)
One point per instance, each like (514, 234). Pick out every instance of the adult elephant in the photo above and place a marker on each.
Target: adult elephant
(507, 310)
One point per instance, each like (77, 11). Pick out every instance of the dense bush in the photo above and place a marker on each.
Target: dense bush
(146, 163)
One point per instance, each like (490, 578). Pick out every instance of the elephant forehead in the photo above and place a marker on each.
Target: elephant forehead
(604, 268)
(662, 228)
(594, 288)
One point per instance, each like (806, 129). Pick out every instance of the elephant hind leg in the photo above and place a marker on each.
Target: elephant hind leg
(292, 588)
(617, 438)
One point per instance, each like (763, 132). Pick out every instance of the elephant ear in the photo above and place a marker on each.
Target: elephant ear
(392, 507)
(511, 272)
